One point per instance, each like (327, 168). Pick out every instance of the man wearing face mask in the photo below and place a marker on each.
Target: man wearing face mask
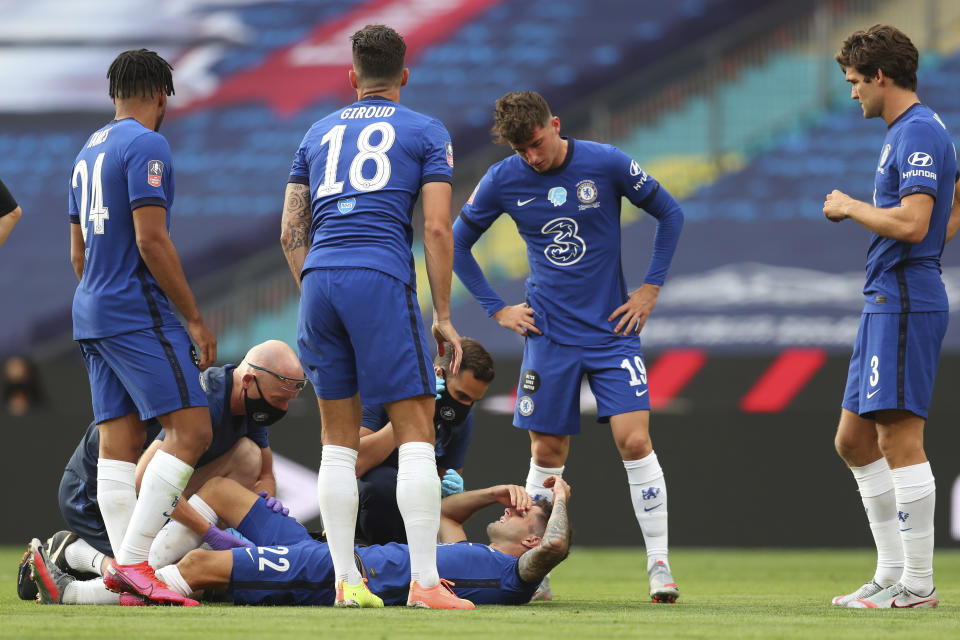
(378, 517)
(244, 400)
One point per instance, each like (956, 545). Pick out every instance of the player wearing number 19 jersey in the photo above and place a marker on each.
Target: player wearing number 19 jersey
(348, 240)
(578, 319)
(137, 354)
(890, 380)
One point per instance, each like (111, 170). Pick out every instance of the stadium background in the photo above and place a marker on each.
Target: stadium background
(736, 106)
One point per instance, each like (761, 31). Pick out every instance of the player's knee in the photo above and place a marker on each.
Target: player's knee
(549, 452)
(635, 445)
(847, 446)
(246, 463)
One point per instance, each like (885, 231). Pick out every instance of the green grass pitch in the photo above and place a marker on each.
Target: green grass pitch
(600, 593)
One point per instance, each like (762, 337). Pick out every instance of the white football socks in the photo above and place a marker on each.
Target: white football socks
(876, 491)
(535, 478)
(82, 557)
(176, 540)
(916, 497)
(160, 489)
(172, 577)
(88, 592)
(418, 497)
(338, 497)
(648, 492)
(116, 496)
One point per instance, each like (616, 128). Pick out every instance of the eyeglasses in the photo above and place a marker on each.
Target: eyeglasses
(298, 383)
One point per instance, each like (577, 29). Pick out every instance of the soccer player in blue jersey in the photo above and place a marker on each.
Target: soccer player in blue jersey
(139, 358)
(578, 318)
(347, 235)
(288, 567)
(895, 356)
(378, 519)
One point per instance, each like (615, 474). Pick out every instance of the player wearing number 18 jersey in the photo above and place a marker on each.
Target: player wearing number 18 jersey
(347, 235)
(137, 354)
(564, 196)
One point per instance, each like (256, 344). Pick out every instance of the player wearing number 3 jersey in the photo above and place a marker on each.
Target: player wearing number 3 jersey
(578, 319)
(139, 359)
(347, 235)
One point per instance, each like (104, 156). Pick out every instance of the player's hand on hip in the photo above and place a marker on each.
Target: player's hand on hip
(560, 487)
(634, 312)
(518, 317)
(835, 206)
(447, 338)
(205, 341)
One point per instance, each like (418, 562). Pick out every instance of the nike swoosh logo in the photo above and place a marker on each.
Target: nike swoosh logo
(652, 508)
(641, 393)
(249, 553)
(520, 202)
(894, 605)
(873, 393)
(910, 529)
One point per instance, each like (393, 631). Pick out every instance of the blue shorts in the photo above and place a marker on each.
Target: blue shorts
(548, 395)
(147, 371)
(360, 329)
(287, 567)
(894, 362)
(78, 505)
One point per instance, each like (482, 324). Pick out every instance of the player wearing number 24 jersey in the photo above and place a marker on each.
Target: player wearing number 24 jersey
(348, 235)
(578, 318)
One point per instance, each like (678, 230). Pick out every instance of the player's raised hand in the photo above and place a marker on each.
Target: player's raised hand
(444, 333)
(205, 341)
(512, 495)
(560, 487)
(835, 205)
(634, 312)
(518, 317)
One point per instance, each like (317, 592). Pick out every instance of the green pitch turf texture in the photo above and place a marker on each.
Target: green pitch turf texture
(600, 593)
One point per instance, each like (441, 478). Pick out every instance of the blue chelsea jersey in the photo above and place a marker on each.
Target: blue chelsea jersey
(121, 167)
(918, 156)
(569, 218)
(365, 165)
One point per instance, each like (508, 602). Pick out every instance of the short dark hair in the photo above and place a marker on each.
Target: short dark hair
(378, 53)
(517, 115)
(881, 47)
(476, 359)
(141, 73)
(543, 519)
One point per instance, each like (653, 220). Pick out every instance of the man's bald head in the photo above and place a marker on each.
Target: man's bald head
(275, 355)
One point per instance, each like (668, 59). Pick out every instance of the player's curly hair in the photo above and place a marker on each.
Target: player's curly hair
(378, 53)
(881, 47)
(517, 115)
(139, 72)
(476, 359)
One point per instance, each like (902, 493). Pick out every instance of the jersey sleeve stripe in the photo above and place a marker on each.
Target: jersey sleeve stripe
(436, 177)
(74, 219)
(473, 226)
(653, 192)
(298, 179)
(147, 202)
(919, 188)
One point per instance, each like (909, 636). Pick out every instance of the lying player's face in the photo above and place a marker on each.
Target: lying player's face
(865, 90)
(513, 525)
(544, 150)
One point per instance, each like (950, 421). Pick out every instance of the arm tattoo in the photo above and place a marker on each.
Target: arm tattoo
(535, 564)
(297, 217)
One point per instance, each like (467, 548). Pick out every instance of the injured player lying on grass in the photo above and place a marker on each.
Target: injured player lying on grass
(289, 567)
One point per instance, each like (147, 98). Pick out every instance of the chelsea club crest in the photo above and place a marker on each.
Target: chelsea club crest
(586, 191)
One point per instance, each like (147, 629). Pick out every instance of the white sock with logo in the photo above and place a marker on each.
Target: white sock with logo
(879, 500)
(88, 592)
(80, 556)
(116, 497)
(338, 497)
(916, 499)
(163, 482)
(648, 492)
(175, 540)
(418, 497)
(536, 477)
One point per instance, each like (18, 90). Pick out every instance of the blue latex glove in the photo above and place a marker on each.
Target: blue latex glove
(451, 483)
(274, 504)
(220, 540)
(441, 386)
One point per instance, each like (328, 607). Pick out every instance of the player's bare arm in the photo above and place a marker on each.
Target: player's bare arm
(517, 317)
(535, 564)
(457, 508)
(438, 254)
(266, 481)
(8, 222)
(636, 310)
(375, 446)
(953, 224)
(295, 225)
(77, 249)
(160, 256)
(907, 223)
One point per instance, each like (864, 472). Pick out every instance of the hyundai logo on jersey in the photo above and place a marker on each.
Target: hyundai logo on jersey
(346, 205)
(920, 159)
(557, 195)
